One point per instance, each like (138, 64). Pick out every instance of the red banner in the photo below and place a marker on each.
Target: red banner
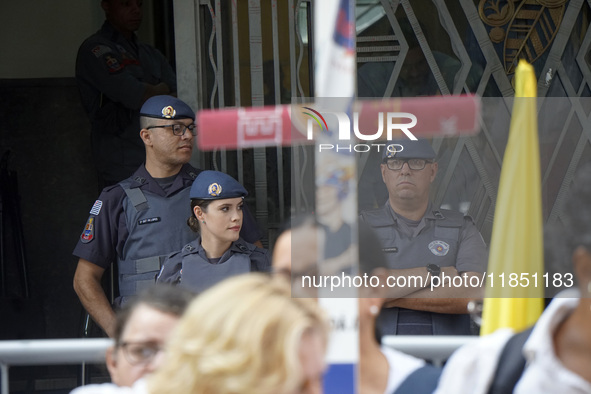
(282, 125)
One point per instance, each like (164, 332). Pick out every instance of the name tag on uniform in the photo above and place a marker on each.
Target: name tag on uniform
(149, 220)
(390, 250)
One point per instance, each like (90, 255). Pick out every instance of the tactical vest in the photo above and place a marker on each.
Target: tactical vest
(437, 244)
(157, 227)
(198, 274)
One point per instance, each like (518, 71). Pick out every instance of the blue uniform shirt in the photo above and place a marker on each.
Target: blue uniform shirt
(442, 237)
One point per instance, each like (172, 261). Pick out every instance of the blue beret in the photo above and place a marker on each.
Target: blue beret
(215, 185)
(166, 107)
(408, 149)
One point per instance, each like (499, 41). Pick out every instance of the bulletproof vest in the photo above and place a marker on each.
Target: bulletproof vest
(435, 244)
(198, 274)
(157, 227)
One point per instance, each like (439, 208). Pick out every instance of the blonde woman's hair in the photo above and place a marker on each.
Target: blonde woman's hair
(241, 336)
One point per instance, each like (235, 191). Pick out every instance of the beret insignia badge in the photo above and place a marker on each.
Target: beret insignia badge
(214, 189)
(168, 112)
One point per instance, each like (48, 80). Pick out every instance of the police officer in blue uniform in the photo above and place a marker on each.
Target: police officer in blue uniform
(424, 242)
(116, 74)
(218, 252)
(141, 220)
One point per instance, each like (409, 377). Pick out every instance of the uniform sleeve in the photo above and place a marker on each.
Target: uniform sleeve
(472, 252)
(101, 66)
(105, 231)
(171, 269)
(167, 74)
(250, 231)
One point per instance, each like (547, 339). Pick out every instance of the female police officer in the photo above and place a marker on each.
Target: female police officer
(218, 252)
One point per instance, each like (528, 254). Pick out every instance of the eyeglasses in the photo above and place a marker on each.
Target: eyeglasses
(177, 129)
(140, 352)
(413, 164)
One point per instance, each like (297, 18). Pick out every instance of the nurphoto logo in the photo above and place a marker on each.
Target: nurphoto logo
(402, 121)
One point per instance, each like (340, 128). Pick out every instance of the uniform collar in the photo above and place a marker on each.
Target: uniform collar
(413, 231)
(433, 214)
(540, 341)
(539, 348)
(393, 215)
(194, 247)
(189, 173)
(142, 178)
(114, 35)
(428, 213)
(184, 178)
(239, 246)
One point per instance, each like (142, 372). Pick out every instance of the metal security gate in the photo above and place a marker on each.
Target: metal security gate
(258, 52)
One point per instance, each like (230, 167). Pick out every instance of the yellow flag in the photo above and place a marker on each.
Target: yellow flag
(515, 286)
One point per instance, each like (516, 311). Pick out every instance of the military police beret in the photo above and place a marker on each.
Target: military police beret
(166, 107)
(408, 149)
(215, 185)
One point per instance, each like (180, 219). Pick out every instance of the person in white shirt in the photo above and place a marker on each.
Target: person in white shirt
(557, 353)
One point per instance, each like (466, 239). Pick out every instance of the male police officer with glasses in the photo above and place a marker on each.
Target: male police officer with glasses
(140, 220)
(423, 245)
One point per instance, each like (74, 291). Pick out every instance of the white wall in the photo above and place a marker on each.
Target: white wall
(40, 39)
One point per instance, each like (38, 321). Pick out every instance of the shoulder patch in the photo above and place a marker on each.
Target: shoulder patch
(88, 232)
(96, 208)
(113, 64)
(100, 50)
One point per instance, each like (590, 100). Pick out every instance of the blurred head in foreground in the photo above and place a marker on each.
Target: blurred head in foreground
(296, 248)
(142, 328)
(246, 335)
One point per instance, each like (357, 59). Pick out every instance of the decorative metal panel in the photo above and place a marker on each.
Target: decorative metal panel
(259, 52)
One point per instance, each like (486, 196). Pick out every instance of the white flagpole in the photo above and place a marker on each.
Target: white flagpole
(334, 86)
